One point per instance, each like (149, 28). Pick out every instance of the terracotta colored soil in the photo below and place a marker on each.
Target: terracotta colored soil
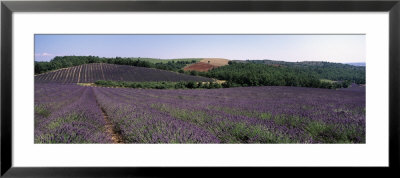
(200, 66)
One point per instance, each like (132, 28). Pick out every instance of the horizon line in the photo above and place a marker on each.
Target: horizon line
(204, 58)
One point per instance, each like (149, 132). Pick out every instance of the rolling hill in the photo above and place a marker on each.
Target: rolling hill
(206, 64)
(89, 73)
(156, 60)
(200, 67)
(323, 70)
(60, 62)
(357, 64)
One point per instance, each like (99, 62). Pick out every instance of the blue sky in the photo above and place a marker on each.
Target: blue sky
(332, 48)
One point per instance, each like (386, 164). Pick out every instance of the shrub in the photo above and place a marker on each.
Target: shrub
(193, 72)
(190, 85)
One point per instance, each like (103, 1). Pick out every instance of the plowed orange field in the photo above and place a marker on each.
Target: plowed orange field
(200, 66)
(207, 64)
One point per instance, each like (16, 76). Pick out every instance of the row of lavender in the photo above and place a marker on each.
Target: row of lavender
(90, 73)
(236, 115)
(70, 113)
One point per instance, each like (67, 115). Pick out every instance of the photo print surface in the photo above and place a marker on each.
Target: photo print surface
(202, 89)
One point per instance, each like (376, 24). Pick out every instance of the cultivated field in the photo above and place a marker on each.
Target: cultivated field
(215, 61)
(200, 66)
(67, 113)
(89, 73)
(207, 64)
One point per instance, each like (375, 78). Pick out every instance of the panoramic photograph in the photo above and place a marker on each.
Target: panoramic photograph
(199, 89)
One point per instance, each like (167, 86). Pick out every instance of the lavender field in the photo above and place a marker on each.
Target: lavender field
(89, 73)
(69, 113)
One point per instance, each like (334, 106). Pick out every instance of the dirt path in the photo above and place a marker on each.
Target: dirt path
(116, 136)
(111, 130)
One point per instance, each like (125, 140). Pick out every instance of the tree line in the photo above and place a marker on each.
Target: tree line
(323, 70)
(252, 74)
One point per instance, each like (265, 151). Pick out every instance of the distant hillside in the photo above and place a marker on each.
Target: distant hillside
(60, 62)
(218, 62)
(357, 64)
(284, 63)
(206, 64)
(200, 67)
(156, 60)
(323, 70)
(90, 73)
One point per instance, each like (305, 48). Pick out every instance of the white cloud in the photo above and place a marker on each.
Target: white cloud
(43, 54)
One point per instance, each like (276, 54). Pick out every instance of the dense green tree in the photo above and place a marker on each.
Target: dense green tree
(237, 73)
(258, 74)
(193, 72)
(323, 70)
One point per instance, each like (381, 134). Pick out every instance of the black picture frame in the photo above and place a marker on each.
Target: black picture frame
(8, 7)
